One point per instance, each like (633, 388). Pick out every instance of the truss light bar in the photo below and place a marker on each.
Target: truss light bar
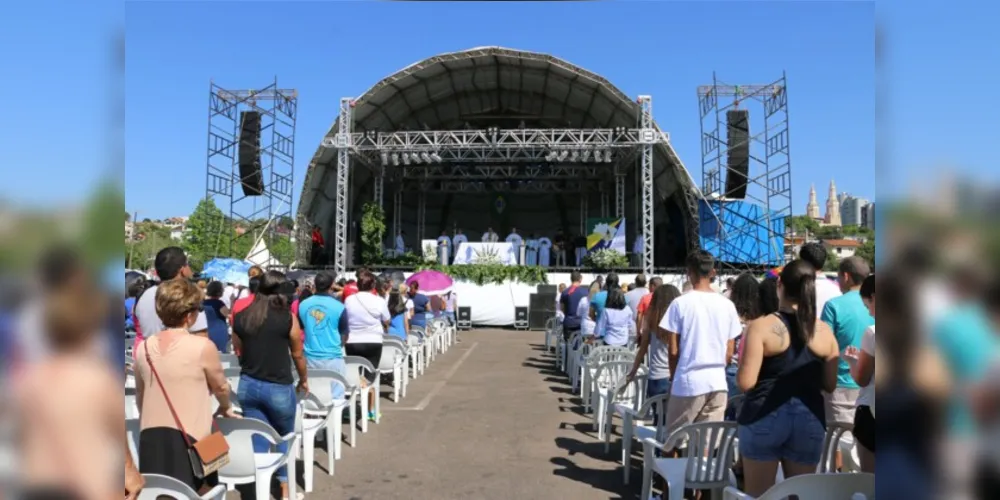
(436, 157)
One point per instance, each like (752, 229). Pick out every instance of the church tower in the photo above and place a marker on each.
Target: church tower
(812, 208)
(832, 207)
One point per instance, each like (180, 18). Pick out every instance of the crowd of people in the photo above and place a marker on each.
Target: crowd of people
(275, 326)
(798, 348)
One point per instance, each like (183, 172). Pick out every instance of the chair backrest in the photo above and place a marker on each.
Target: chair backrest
(158, 486)
(607, 354)
(357, 368)
(233, 376)
(660, 422)
(239, 434)
(417, 331)
(321, 386)
(823, 487)
(831, 443)
(393, 351)
(131, 404)
(550, 324)
(132, 433)
(229, 360)
(711, 449)
(611, 375)
(437, 325)
(130, 377)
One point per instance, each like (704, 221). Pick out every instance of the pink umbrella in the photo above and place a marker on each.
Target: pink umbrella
(431, 282)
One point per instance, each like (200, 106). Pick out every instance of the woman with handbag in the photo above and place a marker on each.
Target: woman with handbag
(264, 334)
(177, 374)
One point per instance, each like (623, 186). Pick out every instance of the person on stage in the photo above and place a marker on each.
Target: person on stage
(400, 244)
(318, 245)
(531, 255)
(559, 244)
(580, 242)
(544, 248)
(457, 242)
(490, 237)
(445, 241)
(515, 241)
(637, 249)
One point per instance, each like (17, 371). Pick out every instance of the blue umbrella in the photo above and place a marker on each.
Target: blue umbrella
(228, 271)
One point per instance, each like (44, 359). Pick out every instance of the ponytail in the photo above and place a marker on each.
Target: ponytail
(806, 312)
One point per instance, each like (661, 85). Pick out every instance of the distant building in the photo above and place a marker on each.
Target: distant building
(812, 208)
(868, 216)
(851, 211)
(842, 248)
(832, 217)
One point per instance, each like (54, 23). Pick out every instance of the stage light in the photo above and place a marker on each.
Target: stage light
(385, 158)
(395, 159)
(551, 156)
(406, 158)
(415, 158)
(425, 157)
(563, 155)
(586, 155)
(436, 157)
(575, 156)
(597, 155)
(607, 157)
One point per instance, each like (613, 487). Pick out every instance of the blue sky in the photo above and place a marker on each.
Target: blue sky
(328, 50)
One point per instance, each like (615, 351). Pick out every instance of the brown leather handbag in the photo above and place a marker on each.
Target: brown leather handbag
(208, 454)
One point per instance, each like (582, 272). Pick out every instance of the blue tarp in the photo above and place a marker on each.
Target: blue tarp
(743, 237)
(228, 271)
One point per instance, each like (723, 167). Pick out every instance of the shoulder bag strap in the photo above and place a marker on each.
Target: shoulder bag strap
(170, 405)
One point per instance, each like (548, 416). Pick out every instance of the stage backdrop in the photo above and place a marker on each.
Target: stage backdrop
(606, 234)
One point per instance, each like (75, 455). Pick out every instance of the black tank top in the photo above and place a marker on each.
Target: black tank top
(796, 373)
(265, 349)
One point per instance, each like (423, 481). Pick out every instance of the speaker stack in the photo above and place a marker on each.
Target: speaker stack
(542, 306)
(738, 150)
(251, 175)
(464, 318)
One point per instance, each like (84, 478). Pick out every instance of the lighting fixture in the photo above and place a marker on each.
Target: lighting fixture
(395, 159)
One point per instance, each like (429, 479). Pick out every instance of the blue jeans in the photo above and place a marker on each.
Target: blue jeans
(657, 387)
(271, 403)
(734, 388)
(450, 316)
(790, 432)
(336, 365)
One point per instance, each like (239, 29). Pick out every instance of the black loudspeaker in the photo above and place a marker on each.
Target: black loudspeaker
(738, 147)
(548, 289)
(249, 154)
(464, 318)
(540, 302)
(538, 319)
(521, 318)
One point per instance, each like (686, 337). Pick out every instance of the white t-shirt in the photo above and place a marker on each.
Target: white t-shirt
(705, 322)
(229, 296)
(149, 321)
(365, 314)
(867, 395)
(826, 289)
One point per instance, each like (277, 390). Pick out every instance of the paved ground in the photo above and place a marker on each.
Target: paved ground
(491, 419)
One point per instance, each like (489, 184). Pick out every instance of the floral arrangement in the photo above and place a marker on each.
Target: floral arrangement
(605, 259)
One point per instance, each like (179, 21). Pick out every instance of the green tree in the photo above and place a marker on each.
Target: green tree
(832, 261)
(372, 233)
(205, 236)
(867, 252)
(100, 237)
(802, 224)
(829, 233)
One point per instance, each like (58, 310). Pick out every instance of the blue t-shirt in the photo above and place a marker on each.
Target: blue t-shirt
(598, 302)
(397, 327)
(571, 300)
(323, 319)
(218, 329)
(849, 318)
(129, 307)
(968, 346)
(420, 303)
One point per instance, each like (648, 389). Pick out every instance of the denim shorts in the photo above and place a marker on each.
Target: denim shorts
(791, 432)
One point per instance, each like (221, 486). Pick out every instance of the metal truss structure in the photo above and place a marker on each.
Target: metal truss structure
(251, 217)
(493, 159)
(769, 176)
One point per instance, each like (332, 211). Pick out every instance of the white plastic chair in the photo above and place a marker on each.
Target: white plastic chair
(599, 356)
(132, 430)
(553, 330)
(710, 452)
(610, 388)
(131, 404)
(634, 427)
(357, 369)
(245, 466)
(393, 362)
(318, 411)
(839, 437)
(130, 377)
(233, 376)
(158, 486)
(229, 360)
(815, 487)
(415, 353)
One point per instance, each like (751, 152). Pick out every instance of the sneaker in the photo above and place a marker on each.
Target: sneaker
(371, 416)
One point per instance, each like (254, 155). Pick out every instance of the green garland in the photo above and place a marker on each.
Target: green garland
(372, 232)
(485, 274)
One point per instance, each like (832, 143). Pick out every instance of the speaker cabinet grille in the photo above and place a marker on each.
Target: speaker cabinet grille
(738, 148)
(251, 175)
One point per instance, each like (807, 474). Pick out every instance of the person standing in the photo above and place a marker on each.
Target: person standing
(638, 247)
(457, 241)
(516, 242)
(636, 295)
(400, 243)
(700, 328)
(659, 302)
(559, 244)
(826, 290)
(569, 302)
(265, 334)
(324, 321)
(862, 363)
(171, 264)
(368, 321)
(544, 251)
(490, 237)
(444, 242)
(217, 314)
(531, 252)
(318, 246)
(849, 318)
(641, 323)
(580, 243)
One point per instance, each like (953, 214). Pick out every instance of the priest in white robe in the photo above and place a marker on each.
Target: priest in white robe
(457, 242)
(638, 247)
(490, 237)
(515, 241)
(444, 243)
(531, 251)
(544, 250)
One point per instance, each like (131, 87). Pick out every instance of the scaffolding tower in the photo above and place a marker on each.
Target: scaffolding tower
(748, 237)
(265, 217)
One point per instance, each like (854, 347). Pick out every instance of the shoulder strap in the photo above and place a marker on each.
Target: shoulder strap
(170, 405)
